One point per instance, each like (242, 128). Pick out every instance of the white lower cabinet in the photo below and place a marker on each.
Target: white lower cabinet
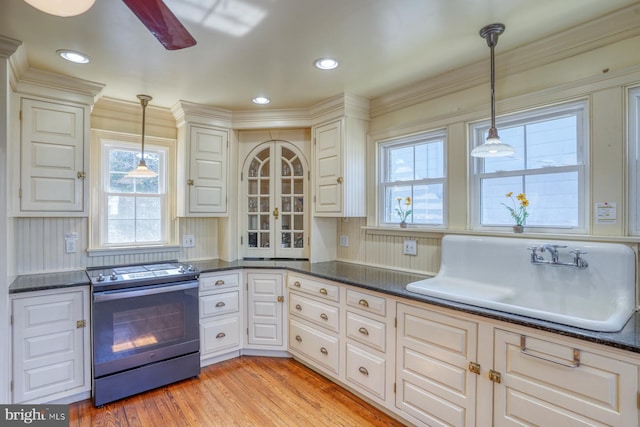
(265, 311)
(51, 346)
(220, 316)
(546, 382)
(433, 382)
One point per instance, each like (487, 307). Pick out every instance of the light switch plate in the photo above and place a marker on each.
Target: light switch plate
(410, 247)
(344, 240)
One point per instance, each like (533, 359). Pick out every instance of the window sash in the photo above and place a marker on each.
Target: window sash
(156, 228)
(634, 160)
(430, 184)
(579, 221)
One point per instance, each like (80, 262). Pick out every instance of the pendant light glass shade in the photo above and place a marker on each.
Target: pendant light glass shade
(142, 171)
(62, 8)
(492, 147)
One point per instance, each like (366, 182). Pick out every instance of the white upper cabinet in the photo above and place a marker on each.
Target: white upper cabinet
(49, 153)
(339, 150)
(203, 146)
(52, 157)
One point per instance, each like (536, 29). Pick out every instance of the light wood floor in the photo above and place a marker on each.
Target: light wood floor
(246, 391)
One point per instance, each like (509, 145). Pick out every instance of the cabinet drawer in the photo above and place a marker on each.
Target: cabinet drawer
(366, 370)
(323, 290)
(219, 281)
(368, 302)
(367, 331)
(318, 346)
(216, 304)
(219, 335)
(317, 312)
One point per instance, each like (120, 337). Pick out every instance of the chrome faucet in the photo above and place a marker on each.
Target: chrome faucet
(537, 259)
(553, 250)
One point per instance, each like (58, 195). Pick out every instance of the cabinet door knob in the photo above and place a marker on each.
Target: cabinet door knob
(363, 331)
(220, 304)
(324, 316)
(298, 307)
(339, 180)
(276, 213)
(298, 338)
(324, 351)
(219, 282)
(296, 284)
(364, 303)
(280, 298)
(363, 370)
(323, 291)
(189, 182)
(221, 335)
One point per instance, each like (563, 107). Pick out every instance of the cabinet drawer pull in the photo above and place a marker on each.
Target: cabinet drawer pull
(324, 316)
(364, 303)
(298, 307)
(324, 351)
(296, 284)
(363, 370)
(323, 291)
(298, 338)
(363, 331)
(220, 304)
(221, 335)
(219, 282)
(525, 351)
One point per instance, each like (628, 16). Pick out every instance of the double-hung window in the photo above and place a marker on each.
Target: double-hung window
(634, 161)
(131, 212)
(412, 178)
(549, 167)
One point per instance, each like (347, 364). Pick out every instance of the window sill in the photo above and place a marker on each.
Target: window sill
(397, 231)
(132, 250)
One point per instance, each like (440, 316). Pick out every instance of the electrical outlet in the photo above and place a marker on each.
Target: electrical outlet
(188, 241)
(344, 240)
(410, 247)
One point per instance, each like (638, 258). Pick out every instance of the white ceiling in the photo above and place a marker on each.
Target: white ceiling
(248, 48)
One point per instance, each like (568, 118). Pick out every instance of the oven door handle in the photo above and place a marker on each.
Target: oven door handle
(139, 292)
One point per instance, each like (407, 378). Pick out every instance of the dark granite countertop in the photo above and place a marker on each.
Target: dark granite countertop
(41, 282)
(386, 281)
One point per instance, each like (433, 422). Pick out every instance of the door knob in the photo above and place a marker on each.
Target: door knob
(276, 213)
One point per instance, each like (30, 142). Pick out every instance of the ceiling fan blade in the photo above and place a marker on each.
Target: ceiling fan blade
(162, 23)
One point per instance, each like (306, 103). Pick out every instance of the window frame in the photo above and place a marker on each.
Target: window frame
(102, 142)
(478, 129)
(633, 159)
(382, 183)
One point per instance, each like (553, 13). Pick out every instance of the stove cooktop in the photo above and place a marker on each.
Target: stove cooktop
(141, 275)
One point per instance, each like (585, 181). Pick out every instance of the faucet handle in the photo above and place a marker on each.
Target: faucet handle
(578, 252)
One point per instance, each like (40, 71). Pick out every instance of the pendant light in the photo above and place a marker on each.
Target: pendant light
(493, 147)
(62, 8)
(142, 171)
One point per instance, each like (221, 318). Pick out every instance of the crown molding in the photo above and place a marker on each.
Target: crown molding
(57, 86)
(345, 104)
(185, 111)
(280, 119)
(600, 32)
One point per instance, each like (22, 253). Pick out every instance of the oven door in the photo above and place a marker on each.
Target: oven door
(137, 326)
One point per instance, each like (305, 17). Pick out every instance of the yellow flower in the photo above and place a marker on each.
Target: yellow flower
(521, 197)
(524, 202)
(399, 198)
(408, 202)
(509, 194)
(519, 213)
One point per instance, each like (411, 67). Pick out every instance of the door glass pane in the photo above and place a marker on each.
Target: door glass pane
(286, 240)
(286, 204)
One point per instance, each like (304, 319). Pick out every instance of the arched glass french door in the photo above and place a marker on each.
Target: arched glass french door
(275, 210)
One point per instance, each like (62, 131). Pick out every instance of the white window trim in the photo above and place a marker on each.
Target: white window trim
(98, 139)
(633, 159)
(477, 128)
(411, 139)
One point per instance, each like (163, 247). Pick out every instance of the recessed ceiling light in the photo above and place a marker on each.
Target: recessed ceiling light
(326, 63)
(261, 100)
(73, 56)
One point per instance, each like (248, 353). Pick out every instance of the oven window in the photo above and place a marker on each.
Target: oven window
(142, 327)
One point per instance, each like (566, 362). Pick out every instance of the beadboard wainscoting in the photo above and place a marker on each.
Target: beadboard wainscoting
(40, 245)
(385, 249)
